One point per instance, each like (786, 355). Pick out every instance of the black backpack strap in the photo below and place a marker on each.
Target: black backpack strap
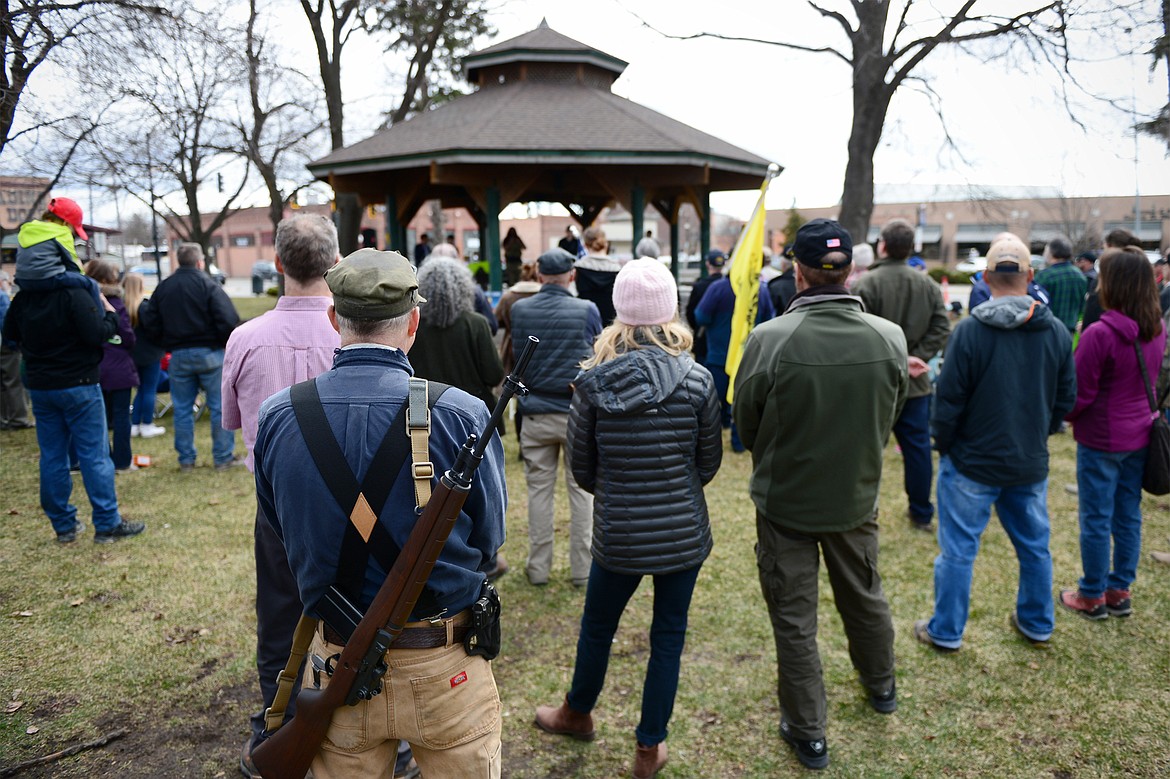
(364, 534)
(339, 478)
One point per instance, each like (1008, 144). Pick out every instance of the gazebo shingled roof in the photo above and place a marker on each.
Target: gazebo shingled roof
(542, 125)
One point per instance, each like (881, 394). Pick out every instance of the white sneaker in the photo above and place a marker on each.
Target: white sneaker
(133, 431)
(151, 430)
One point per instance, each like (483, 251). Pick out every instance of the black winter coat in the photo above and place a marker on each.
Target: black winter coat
(645, 436)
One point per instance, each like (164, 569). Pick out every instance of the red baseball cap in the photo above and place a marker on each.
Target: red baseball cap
(69, 211)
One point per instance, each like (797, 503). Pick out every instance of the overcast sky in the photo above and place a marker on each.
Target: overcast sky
(1008, 121)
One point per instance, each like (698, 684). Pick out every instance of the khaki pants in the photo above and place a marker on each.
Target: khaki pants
(788, 563)
(442, 701)
(542, 440)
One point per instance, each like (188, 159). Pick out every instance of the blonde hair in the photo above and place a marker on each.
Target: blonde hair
(672, 337)
(134, 284)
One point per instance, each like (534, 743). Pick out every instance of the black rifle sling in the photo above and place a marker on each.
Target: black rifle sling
(384, 468)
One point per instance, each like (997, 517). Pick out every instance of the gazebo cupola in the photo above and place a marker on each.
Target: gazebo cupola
(543, 124)
(542, 56)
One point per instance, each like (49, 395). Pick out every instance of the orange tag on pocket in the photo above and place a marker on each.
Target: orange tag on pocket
(459, 678)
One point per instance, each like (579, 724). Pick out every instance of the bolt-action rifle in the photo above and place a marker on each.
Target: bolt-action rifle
(288, 753)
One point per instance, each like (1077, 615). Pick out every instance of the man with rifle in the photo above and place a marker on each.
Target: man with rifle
(337, 478)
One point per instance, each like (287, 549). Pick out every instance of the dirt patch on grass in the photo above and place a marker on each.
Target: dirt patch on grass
(202, 742)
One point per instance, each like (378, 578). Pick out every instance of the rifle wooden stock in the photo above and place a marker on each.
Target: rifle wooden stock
(288, 753)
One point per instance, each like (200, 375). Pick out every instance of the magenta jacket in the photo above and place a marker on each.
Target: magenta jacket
(1112, 413)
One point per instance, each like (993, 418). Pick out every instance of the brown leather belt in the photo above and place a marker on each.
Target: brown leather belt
(442, 634)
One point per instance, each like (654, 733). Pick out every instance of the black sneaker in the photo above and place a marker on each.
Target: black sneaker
(887, 702)
(69, 536)
(812, 754)
(124, 530)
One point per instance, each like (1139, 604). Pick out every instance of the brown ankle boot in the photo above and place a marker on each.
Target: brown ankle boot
(649, 761)
(563, 721)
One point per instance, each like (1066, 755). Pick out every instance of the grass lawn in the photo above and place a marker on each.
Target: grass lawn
(156, 635)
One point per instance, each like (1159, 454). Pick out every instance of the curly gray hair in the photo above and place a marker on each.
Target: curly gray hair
(448, 288)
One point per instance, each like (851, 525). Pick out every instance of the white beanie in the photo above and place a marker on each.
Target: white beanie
(645, 294)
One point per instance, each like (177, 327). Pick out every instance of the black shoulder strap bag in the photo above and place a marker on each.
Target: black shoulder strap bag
(1156, 476)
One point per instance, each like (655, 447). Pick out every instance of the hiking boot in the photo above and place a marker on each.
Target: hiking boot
(812, 753)
(1117, 603)
(69, 536)
(124, 530)
(1089, 608)
(563, 721)
(1035, 642)
(186, 467)
(887, 702)
(649, 760)
(923, 636)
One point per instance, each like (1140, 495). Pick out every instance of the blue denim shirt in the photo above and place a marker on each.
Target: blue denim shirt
(361, 395)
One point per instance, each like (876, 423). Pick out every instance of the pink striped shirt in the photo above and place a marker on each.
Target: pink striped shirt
(291, 343)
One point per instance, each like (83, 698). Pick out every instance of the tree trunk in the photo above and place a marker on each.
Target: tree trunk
(871, 100)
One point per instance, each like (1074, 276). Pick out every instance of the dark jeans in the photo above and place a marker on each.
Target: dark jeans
(788, 563)
(912, 430)
(278, 609)
(722, 384)
(605, 600)
(148, 375)
(118, 418)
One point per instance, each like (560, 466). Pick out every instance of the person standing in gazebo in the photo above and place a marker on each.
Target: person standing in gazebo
(513, 247)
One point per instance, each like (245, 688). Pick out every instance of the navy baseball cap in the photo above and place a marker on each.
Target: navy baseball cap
(819, 238)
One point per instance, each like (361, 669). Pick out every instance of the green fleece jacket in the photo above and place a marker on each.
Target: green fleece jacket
(912, 300)
(38, 257)
(816, 395)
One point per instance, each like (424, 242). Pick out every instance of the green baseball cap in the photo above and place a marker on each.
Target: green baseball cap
(370, 284)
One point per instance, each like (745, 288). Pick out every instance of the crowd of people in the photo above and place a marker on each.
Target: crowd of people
(357, 391)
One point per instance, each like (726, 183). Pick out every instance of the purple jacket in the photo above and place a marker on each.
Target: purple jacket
(118, 371)
(1112, 413)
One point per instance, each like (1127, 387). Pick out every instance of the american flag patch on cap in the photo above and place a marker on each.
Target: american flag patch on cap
(833, 243)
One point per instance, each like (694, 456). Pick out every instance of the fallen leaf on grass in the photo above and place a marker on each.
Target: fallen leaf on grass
(216, 501)
(158, 615)
(207, 631)
(13, 512)
(13, 706)
(1033, 666)
(21, 614)
(32, 730)
(80, 601)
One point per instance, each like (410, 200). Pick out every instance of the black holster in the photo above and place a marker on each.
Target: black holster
(483, 637)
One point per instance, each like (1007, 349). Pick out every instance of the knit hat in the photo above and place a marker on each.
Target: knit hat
(645, 294)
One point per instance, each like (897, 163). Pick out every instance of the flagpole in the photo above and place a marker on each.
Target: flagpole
(773, 172)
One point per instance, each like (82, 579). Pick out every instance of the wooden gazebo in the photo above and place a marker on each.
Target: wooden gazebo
(542, 125)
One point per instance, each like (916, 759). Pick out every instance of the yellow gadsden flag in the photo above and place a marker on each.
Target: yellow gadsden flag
(747, 260)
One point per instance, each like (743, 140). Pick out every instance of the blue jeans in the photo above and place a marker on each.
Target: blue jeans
(964, 509)
(118, 418)
(912, 430)
(605, 600)
(191, 369)
(142, 412)
(75, 417)
(1110, 490)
